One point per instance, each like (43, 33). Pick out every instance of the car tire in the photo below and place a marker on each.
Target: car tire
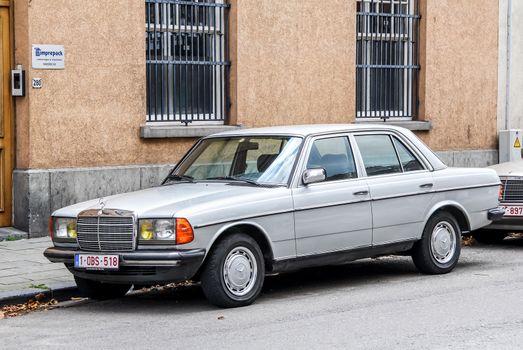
(489, 236)
(101, 291)
(234, 272)
(439, 248)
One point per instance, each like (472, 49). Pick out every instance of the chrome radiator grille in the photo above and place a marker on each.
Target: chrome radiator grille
(512, 191)
(105, 233)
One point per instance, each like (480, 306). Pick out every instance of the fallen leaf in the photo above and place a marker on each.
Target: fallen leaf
(40, 296)
(2, 315)
(221, 317)
(468, 241)
(30, 305)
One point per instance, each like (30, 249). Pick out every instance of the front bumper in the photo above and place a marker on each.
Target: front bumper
(137, 267)
(496, 214)
(507, 223)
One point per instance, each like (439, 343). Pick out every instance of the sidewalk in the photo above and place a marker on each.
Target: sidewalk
(25, 271)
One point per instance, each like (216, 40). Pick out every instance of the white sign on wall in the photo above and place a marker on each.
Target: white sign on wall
(48, 56)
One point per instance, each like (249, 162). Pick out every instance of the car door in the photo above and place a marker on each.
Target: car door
(335, 214)
(400, 185)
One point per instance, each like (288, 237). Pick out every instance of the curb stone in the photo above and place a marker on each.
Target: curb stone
(56, 291)
(11, 234)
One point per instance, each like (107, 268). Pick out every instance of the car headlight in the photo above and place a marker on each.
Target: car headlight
(165, 231)
(63, 229)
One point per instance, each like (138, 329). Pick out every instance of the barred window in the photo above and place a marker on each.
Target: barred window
(387, 59)
(186, 61)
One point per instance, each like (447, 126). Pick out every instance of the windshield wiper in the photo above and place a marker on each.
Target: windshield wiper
(176, 177)
(234, 178)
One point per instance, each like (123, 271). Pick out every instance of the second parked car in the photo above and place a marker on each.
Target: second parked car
(245, 203)
(511, 199)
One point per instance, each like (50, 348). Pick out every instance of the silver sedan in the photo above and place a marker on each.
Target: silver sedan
(242, 204)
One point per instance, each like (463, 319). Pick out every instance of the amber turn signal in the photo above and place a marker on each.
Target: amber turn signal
(184, 231)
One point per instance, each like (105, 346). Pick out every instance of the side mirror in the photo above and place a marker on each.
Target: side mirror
(311, 176)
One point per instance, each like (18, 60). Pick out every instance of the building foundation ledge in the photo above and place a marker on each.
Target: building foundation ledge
(38, 192)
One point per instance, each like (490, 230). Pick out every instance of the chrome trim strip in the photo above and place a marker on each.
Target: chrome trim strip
(510, 178)
(243, 218)
(347, 250)
(150, 262)
(113, 213)
(339, 204)
(333, 204)
(97, 232)
(334, 251)
(435, 191)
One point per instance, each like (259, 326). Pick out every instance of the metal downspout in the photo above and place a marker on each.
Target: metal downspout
(509, 61)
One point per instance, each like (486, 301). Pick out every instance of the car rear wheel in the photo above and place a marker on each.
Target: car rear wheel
(234, 272)
(439, 248)
(101, 291)
(489, 236)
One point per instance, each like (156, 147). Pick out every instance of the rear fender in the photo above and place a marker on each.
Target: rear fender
(464, 221)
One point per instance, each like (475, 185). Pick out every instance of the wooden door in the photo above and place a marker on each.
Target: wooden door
(6, 129)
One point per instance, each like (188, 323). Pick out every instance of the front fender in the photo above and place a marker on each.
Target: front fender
(224, 228)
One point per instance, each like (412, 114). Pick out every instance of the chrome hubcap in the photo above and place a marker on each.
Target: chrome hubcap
(443, 242)
(240, 271)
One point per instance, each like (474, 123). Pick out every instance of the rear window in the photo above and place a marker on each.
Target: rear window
(379, 155)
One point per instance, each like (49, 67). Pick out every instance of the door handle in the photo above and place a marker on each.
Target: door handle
(361, 193)
(426, 186)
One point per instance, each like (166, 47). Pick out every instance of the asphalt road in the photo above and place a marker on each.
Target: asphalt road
(369, 304)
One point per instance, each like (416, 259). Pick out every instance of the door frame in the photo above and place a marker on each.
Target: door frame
(6, 218)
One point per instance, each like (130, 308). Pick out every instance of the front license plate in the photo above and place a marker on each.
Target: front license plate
(513, 210)
(96, 262)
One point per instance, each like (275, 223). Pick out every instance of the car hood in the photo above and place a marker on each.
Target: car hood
(514, 168)
(200, 202)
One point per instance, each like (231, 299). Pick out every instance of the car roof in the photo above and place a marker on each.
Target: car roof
(306, 130)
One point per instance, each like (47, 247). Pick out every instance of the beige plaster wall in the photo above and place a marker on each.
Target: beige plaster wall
(295, 62)
(461, 55)
(89, 113)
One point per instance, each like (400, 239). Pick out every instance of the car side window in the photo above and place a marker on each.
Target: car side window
(408, 161)
(258, 160)
(378, 154)
(335, 156)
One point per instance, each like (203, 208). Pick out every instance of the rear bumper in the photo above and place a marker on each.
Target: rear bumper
(137, 267)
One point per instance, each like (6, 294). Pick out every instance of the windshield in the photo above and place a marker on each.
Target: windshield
(263, 159)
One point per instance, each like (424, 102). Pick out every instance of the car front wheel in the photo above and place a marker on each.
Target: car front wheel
(101, 291)
(234, 272)
(439, 248)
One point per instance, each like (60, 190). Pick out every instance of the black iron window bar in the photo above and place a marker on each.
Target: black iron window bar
(387, 59)
(186, 61)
